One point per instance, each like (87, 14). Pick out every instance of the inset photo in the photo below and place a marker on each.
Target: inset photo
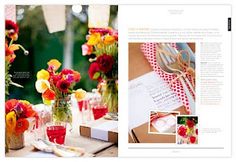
(187, 130)
(162, 122)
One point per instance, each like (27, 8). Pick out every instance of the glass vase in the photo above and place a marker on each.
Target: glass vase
(61, 110)
(16, 141)
(110, 98)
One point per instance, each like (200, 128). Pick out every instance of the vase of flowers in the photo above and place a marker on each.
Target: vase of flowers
(56, 88)
(61, 109)
(102, 48)
(11, 35)
(17, 114)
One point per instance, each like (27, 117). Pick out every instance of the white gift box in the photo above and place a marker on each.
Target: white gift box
(165, 124)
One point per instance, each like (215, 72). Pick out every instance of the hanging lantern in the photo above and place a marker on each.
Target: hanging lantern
(98, 16)
(55, 17)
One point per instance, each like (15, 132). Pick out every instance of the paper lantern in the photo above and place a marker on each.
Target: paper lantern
(98, 16)
(55, 17)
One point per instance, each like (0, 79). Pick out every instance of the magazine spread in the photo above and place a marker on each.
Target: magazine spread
(117, 80)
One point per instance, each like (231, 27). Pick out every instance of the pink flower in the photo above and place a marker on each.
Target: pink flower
(87, 49)
(102, 31)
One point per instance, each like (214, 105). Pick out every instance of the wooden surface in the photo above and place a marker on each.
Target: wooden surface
(91, 146)
(138, 64)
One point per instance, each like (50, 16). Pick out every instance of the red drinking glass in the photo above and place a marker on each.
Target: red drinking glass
(99, 111)
(56, 132)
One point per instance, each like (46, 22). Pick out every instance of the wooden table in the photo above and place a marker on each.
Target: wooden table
(93, 147)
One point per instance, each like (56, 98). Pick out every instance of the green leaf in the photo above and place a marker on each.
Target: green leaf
(96, 75)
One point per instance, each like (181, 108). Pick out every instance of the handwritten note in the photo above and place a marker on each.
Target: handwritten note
(149, 92)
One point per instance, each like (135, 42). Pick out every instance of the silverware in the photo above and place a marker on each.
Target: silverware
(167, 62)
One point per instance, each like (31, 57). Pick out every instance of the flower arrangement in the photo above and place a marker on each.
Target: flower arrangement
(58, 86)
(102, 48)
(11, 35)
(17, 113)
(187, 130)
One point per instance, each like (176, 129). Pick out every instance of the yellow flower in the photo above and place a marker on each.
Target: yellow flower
(109, 39)
(55, 64)
(99, 45)
(94, 39)
(80, 94)
(43, 74)
(46, 102)
(11, 122)
(25, 101)
(42, 85)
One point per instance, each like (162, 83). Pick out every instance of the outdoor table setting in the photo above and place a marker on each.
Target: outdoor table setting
(62, 110)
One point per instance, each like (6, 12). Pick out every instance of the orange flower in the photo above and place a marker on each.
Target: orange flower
(49, 94)
(9, 52)
(109, 40)
(21, 125)
(76, 76)
(54, 64)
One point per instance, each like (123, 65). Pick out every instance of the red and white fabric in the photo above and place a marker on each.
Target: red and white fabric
(149, 50)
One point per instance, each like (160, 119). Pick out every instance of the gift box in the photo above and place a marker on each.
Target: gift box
(165, 124)
(141, 135)
(102, 129)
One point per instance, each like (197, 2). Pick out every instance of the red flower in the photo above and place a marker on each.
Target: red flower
(21, 125)
(10, 105)
(94, 68)
(55, 78)
(49, 94)
(67, 71)
(192, 139)
(12, 29)
(196, 131)
(182, 131)
(190, 123)
(105, 62)
(63, 85)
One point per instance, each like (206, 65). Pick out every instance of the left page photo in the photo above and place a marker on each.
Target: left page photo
(61, 81)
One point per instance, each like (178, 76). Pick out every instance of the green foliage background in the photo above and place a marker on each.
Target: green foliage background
(43, 46)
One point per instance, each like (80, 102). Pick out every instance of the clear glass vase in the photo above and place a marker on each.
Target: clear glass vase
(61, 110)
(110, 98)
